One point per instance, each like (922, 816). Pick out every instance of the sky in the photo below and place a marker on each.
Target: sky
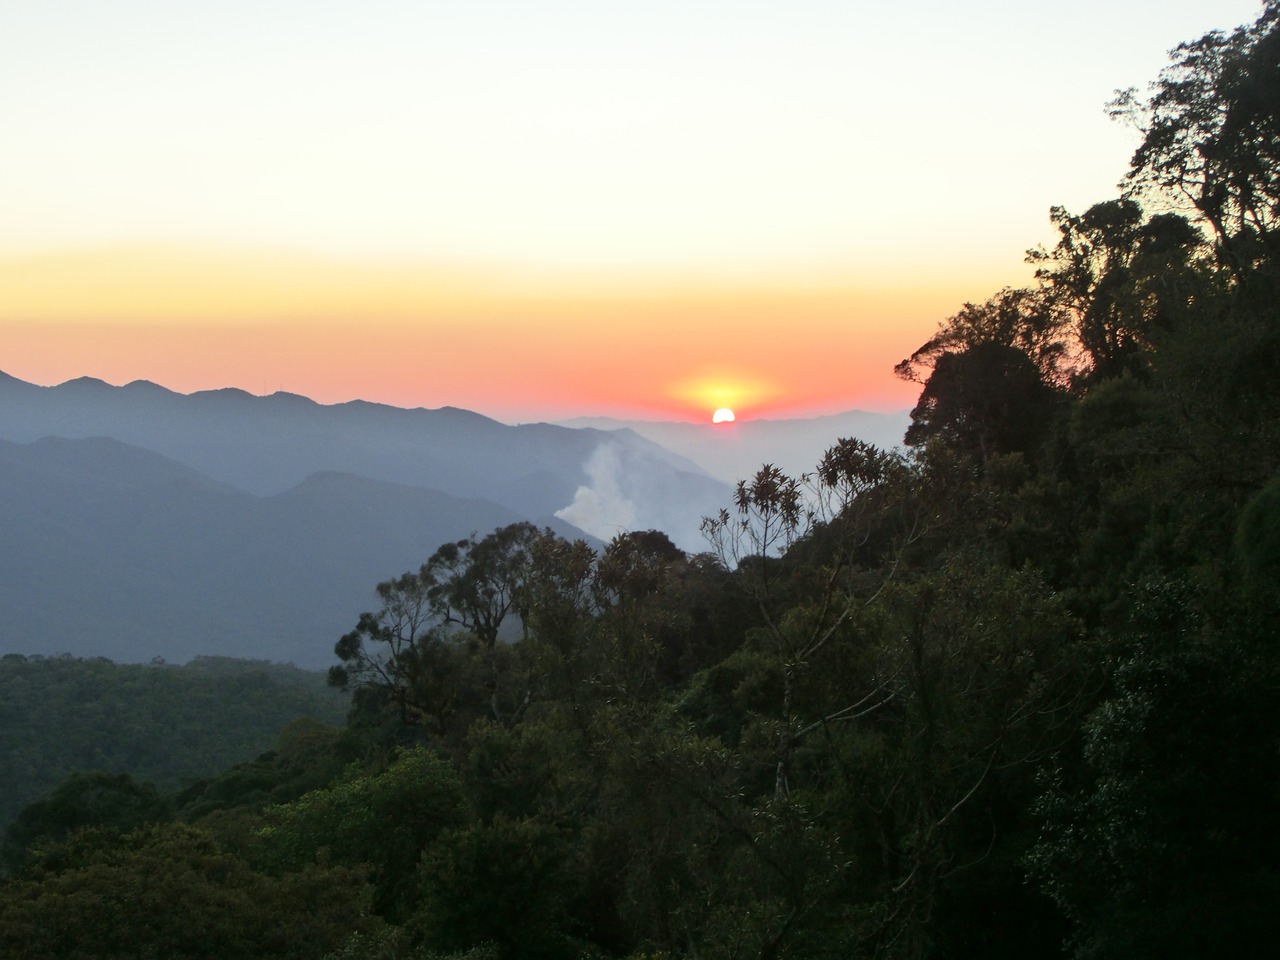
(544, 209)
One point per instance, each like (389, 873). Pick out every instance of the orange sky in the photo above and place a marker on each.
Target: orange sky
(544, 210)
(511, 344)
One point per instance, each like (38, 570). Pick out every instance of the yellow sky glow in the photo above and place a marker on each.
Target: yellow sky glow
(550, 209)
(515, 343)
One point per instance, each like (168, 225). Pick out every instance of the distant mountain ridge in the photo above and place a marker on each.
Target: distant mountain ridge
(140, 522)
(267, 444)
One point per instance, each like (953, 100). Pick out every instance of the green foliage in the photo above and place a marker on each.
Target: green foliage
(158, 723)
(529, 888)
(506, 771)
(307, 756)
(1160, 842)
(1257, 550)
(463, 594)
(169, 893)
(102, 801)
(722, 699)
(383, 819)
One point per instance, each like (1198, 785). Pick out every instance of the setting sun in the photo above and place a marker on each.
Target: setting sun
(723, 415)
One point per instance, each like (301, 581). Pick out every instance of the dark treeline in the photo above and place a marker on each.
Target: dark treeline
(1012, 693)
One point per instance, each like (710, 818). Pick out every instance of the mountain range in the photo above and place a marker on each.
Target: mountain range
(140, 522)
(112, 550)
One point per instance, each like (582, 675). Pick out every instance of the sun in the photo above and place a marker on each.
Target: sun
(723, 415)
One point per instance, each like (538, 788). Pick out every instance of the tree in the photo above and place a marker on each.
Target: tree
(168, 892)
(1211, 136)
(1121, 278)
(1159, 840)
(103, 801)
(384, 819)
(1257, 552)
(475, 584)
(466, 589)
(643, 621)
(521, 867)
(848, 496)
(985, 400)
(1021, 319)
(985, 688)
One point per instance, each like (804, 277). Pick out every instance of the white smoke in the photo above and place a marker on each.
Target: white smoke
(601, 508)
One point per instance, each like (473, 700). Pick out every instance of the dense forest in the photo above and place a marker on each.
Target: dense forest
(1012, 691)
(160, 722)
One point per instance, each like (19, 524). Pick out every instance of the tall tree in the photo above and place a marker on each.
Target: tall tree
(985, 400)
(466, 589)
(1211, 136)
(1121, 278)
(1021, 319)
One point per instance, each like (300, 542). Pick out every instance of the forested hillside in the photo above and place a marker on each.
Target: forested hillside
(157, 722)
(1012, 693)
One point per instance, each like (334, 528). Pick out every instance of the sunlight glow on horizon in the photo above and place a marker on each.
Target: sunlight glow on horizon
(547, 210)
(508, 343)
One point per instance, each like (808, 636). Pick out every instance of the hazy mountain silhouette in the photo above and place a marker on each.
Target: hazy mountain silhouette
(111, 550)
(606, 481)
(140, 522)
(735, 451)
